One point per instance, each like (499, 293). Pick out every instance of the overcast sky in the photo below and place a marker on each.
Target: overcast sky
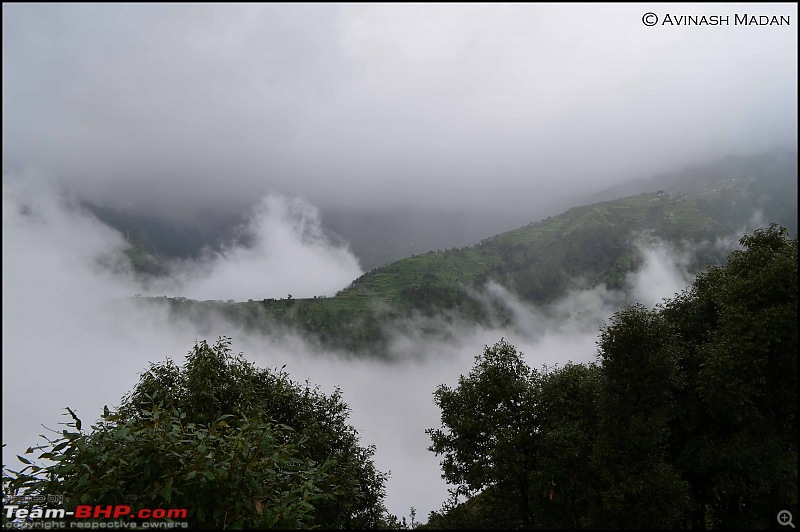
(172, 109)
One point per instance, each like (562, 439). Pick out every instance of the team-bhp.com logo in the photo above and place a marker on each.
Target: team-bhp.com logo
(88, 511)
(120, 512)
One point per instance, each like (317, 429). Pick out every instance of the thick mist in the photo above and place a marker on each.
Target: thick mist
(74, 335)
(181, 110)
(281, 251)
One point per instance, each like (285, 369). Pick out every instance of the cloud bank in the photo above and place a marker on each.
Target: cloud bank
(174, 110)
(282, 250)
(74, 336)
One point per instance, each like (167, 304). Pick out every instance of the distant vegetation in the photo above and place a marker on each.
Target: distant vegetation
(583, 247)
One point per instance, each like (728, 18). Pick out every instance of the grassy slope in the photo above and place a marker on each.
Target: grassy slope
(581, 247)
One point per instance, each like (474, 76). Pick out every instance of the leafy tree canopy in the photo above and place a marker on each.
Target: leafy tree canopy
(238, 446)
(688, 421)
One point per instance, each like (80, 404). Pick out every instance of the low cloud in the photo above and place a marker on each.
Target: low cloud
(75, 337)
(282, 250)
(664, 273)
(70, 338)
(484, 107)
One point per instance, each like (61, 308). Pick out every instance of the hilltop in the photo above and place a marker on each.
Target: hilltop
(583, 247)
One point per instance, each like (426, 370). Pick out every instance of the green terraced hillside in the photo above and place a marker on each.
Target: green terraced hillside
(582, 247)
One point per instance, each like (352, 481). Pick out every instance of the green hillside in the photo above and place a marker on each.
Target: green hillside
(582, 247)
(144, 262)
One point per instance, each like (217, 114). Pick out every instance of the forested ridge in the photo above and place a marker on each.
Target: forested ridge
(585, 246)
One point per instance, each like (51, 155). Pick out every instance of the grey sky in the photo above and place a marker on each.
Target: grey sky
(172, 109)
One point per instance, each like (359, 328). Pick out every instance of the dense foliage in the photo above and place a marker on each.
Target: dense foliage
(689, 420)
(238, 446)
(492, 429)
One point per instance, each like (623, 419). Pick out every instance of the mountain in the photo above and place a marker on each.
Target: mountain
(771, 177)
(380, 235)
(145, 263)
(583, 247)
(162, 239)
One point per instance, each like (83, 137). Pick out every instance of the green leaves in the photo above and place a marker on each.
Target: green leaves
(213, 436)
(689, 420)
(489, 425)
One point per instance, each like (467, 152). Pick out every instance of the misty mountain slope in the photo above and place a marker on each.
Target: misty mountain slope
(380, 236)
(539, 260)
(766, 181)
(162, 239)
(143, 261)
(584, 247)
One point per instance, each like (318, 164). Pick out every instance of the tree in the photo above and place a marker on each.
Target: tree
(688, 421)
(520, 438)
(565, 477)
(639, 486)
(736, 440)
(699, 404)
(489, 434)
(238, 446)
